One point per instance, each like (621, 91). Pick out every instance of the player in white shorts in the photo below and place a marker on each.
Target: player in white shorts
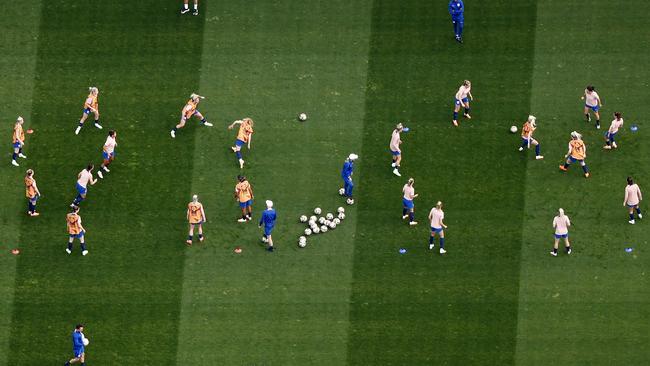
(561, 225)
(632, 199)
(437, 227)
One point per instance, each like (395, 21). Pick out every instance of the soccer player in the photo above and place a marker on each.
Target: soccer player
(75, 230)
(612, 131)
(108, 153)
(18, 141)
(90, 105)
(196, 217)
(83, 178)
(437, 227)
(577, 152)
(527, 137)
(78, 348)
(461, 100)
(561, 225)
(186, 7)
(244, 136)
(395, 150)
(592, 102)
(190, 110)
(31, 192)
(632, 199)
(244, 195)
(407, 200)
(346, 174)
(456, 10)
(268, 219)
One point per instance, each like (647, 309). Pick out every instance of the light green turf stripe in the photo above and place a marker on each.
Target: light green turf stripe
(290, 307)
(590, 308)
(19, 25)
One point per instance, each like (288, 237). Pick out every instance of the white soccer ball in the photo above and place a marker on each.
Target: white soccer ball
(85, 341)
(315, 230)
(513, 129)
(302, 241)
(350, 201)
(313, 218)
(321, 220)
(341, 191)
(317, 211)
(340, 210)
(307, 232)
(341, 216)
(336, 221)
(323, 229)
(302, 116)
(265, 239)
(313, 224)
(327, 222)
(303, 218)
(329, 216)
(332, 225)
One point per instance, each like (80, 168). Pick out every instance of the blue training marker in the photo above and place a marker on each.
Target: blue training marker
(628, 250)
(634, 128)
(406, 129)
(402, 250)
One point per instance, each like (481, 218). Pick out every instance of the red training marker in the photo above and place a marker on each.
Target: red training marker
(30, 131)
(238, 250)
(15, 251)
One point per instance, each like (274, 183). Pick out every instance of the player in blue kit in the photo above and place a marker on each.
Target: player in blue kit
(268, 220)
(456, 9)
(346, 175)
(78, 347)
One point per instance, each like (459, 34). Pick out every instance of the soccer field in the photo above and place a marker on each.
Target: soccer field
(349, 298)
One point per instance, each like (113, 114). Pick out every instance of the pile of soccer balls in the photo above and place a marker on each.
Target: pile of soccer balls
(320, 225)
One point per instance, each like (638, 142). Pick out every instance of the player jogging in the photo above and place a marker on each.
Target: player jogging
(437, 227)
(632, 199)
(18, 141)
(577, 152)
(456, 10)
(268, 220)
(612, 131)
(108, 153)
(407, 200)
(461, 99)
(244, 137)
(31, 192)
(75, 230)
(196, 217)
(190, 110)
(186, 7)
(78, 347)
(396, 152)
(83, 178)
(561, 225)
(244, 195)
(527, 137)
(346, 175)
(593, 103)
(90, 105)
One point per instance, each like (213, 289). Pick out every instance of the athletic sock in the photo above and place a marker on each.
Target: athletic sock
(196, 6)
(97, 121)
(81, 124)
(189, 237)
(411, 216)
(466, 110)
(638, 211)
(186, 6)
(537, 149)
(566, 166)
(585, 169)
(83, 247)
(631, 216)
(200, 236)
(442, 243)
(238, 155)
(31, 206)
(455, 116)
(567, 248)
(554, 250)
(587, 116)
(203, 121)
(431, 239)
(174, 129)
(404, 211)
(70, 246)
(67, 363)
(14, 156)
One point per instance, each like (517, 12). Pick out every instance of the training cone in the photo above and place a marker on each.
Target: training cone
(15, 251)
(238, 250)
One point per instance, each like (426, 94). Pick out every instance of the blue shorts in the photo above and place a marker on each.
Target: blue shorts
(87, 111)
(17, 145)
(78, 236)
(395, 153)
(108, 156)
(594, 108)
(632, 206)
(80, 189)
(268, 230)
(436, 229)
(239, 143)
(408, 203)
(457, 102)
(610, 135)
(573, 160)
(561, 236)
(525, 140)
(245, 204)
(34, 199)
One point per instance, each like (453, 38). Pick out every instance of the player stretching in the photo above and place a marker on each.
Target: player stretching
(612, 131)
(78, 347)
(395, 150)
(437, 227)
(18, 141)
(244, 195)
(188, 111)
(90, 105)
(186, 7)
(196, 217)
(456, 9)
(244, 137)
(268, 219)
(108, 153)
(561, 225)
(577, 152)
(527, 137)
(461, 100)
(346, 175)
(31, 192)
(407, 200)
(592, 102)
(83, 178)
(75, 230)
(632, 199)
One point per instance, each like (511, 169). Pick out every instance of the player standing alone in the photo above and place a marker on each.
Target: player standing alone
(90, 105)
(395, 141)
(456, 10)
(437, 227)
(407, 200)
(75, 230)
(188, 111)
(78, 347)
(346, 175)
(32, 193)
(186, 7)
(108, 153)
(83, 178)
(461, 99)
(612, 131)
(268, 220)
(632, 199)
(561, 225)
(592, 102)
(196, 217)
(18, 141)
(577, 152)
(527, 137)
(244, 137)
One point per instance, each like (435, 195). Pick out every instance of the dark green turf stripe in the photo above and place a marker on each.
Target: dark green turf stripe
(419, 308)
(145, 59)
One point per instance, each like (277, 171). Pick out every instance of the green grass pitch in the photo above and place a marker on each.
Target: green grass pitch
(496, 298)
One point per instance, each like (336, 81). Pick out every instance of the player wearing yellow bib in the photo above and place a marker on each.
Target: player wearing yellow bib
(188, 111)
(527, 137)
(244, 137)
(196, 217)
(18, 141)
(90, 105)
(75, 230)
(577, 152)
(31, 192)
(244, 195)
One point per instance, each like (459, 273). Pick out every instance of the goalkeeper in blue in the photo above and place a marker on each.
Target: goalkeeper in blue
(268, 221)
(456, 9)
(78, 346)
(346, 175)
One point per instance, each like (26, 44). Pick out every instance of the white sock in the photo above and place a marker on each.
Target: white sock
(196, 6)
(185, 6)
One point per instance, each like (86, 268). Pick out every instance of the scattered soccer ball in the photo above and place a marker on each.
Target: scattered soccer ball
(341, 216)
(86, 341)
(307, 232)
(315, 230)
(341, 191)
(323, 229)
(340, 210)
(302, 116)
(303, 218)
(513, 129)
(336, 221)
(317, 211)
(321, 220)
(264, 239)
(313, 218)
(329, 216)
(350, 201)
(332, 225)
(302, 241)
